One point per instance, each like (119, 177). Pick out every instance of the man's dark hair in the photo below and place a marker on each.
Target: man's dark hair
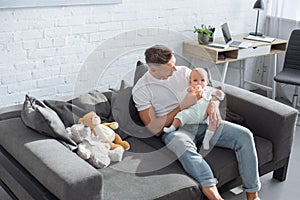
(158, 54)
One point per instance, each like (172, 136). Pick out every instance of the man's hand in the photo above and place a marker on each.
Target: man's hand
(214, 115)
(190, 99)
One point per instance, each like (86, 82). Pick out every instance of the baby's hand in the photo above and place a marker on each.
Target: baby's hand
(190, 99)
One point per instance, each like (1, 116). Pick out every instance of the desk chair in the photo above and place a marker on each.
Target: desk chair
(290, 73)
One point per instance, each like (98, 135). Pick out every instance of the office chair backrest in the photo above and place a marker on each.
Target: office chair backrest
(292, 55)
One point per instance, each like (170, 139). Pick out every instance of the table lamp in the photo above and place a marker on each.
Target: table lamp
(258, 5)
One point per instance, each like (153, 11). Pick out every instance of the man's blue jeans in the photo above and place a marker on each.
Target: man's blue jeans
(185, 140)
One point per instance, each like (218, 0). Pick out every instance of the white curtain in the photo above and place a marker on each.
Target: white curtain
(288, 9)
(283, 16)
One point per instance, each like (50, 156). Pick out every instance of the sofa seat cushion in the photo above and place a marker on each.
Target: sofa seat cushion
(264, 150)
(147, 173)
(58, 169)
(222, 161)
(224, 164)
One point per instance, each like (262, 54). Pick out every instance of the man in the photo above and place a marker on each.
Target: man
(161, 93)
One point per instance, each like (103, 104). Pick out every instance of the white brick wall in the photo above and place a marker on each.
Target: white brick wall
(44, 52)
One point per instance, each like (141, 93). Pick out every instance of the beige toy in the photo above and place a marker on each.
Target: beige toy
(95, 152)
(104, 132)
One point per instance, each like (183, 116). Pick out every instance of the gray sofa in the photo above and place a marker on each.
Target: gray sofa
(34, 166)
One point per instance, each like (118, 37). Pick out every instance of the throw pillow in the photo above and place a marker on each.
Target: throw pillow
(124, 84)
(36, 115)
(125, 113)
(74, 109)
(141, 69)
(124, 110)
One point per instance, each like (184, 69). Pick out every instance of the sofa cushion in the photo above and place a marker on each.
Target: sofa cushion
(224, 164)
(125, 113)
(124, 110)
(71, 111)
(147, 173)
(221, 160)
(264, 149)
(38, 116)
(141, 69)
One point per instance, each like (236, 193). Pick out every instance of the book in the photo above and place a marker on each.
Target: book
(259, 38)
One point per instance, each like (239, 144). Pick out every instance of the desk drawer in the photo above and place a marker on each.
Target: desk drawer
(254, 51)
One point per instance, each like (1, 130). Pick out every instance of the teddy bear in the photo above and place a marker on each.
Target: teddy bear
(104, 131)
(95, 152)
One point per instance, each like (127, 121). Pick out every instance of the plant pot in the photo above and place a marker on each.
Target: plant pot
(203, 38)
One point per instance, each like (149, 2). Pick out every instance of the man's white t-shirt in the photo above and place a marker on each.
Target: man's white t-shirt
(163, 95)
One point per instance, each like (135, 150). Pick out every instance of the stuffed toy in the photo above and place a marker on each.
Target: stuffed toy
(104, 131)
(95, 152)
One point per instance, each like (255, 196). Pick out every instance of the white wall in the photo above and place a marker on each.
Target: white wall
(44, 50)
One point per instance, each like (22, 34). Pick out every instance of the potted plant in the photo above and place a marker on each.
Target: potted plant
(204, 34)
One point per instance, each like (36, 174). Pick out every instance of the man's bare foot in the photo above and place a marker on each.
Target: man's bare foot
(252, 196)
(212, 193)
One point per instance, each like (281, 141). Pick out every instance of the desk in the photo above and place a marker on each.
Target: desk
(210, 54)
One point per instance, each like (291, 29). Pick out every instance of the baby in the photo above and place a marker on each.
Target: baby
(195, 113)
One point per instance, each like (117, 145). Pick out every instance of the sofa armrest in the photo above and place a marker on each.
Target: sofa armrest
(58, 169)
(265, 117)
